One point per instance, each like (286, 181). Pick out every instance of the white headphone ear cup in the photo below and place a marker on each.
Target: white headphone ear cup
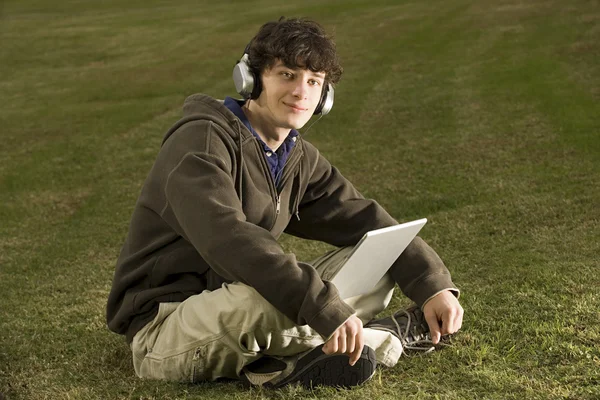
(327, 102)
(243, 78)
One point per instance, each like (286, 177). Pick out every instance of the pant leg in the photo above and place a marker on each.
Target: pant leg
(216, 333)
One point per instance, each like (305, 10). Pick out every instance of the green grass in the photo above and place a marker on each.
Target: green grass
(483, 117)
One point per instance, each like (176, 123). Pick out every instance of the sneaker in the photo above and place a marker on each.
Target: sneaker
(410, 327)
(316, 368)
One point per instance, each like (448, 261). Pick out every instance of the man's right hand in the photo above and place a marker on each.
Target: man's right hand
(347, 339)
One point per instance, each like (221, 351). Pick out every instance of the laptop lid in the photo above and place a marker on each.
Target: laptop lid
(373, 256)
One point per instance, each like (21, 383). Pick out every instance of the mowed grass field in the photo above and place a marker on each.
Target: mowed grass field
(483, 117)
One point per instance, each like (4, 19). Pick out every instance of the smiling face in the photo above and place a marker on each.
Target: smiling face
(289, 97)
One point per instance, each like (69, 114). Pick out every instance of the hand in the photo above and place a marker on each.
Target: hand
(445, 308)
(347, 339)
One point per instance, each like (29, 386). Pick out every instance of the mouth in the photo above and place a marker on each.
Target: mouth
(295, 108)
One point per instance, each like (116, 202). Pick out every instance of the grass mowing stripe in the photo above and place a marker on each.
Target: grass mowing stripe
(410, 111)
(535, 75)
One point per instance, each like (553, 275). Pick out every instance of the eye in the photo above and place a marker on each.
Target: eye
(314, 82)
(287, 74)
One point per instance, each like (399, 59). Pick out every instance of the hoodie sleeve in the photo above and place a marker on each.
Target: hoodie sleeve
(202, 205)
(333, 211)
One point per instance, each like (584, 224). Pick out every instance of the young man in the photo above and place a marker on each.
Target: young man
(202, 290)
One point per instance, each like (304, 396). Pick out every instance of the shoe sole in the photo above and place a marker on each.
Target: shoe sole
(320, 369)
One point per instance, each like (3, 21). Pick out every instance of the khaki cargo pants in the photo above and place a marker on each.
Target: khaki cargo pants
(217, 333)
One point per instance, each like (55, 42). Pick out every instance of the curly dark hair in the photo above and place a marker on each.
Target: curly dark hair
(298, 43)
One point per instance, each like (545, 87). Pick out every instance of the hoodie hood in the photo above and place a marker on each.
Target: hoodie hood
(203, 107)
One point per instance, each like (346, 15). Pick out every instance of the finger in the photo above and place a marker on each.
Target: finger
(351, 343)
(342, 345)
(458, 322)
(448, 323)
(358, 347)
(331, 345)
(434, 327)
(455, 320)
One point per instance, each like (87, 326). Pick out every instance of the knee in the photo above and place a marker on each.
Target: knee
(247, 304)
(253, 309)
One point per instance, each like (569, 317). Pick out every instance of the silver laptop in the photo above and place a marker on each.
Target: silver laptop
(373, 256)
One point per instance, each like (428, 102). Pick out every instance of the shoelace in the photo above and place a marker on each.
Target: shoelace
(418, 339)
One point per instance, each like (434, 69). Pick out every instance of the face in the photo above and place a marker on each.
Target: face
(289, 96)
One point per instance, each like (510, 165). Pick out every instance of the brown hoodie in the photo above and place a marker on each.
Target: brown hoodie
(209, 213)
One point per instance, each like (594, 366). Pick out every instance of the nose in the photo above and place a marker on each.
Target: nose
(300, 90)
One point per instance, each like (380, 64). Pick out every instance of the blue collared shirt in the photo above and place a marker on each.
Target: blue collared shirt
(275, 159)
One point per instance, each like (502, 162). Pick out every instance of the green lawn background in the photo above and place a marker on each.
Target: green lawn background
(481, 116)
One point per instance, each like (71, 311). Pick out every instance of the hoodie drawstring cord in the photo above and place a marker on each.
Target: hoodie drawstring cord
(240, 162)
(296, 206)
(296, 191)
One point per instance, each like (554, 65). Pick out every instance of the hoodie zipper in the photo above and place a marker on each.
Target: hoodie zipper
(289, 165)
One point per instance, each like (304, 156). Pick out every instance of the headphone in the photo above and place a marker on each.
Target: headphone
(249, 86)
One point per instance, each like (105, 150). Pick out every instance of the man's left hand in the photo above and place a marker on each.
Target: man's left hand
(443, 314)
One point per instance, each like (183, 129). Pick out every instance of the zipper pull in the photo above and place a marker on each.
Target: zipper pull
(298, 215)
(278, 205)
